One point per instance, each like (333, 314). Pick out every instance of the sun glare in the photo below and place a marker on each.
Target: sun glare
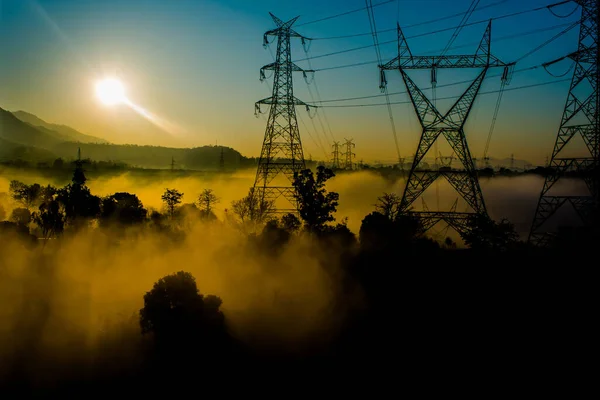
(110, 91)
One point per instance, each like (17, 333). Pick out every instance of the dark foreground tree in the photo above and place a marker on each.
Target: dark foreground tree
(123, 208)
(316, 205)
(25, 194)
(174, 310)
(251, 210)
(21, 216)
(388, 204)
(379, 232)
(487, 234)
(206, 203)
(50, 219)
(171, 198)
(78, 202)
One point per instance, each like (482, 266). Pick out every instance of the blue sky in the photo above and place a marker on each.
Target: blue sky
(196, 64)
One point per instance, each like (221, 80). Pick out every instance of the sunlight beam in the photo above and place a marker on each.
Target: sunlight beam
(111, 92)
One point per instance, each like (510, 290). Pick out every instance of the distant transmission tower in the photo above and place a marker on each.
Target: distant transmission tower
(348, 154)
(512, 162)
(336, 155)
(222, 160)
(79, 173)
(172, 163)
(580, 116)
(449, 125)
(281, 153)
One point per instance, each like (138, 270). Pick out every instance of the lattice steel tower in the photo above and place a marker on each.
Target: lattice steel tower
(336, 155)
(281, 156)
(449, 125)
(348, 154)
(580, 117)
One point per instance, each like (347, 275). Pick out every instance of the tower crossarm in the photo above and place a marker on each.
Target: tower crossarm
(450, 61)
(294, 101)
(288, 65)
(283, 26)
(481, 59)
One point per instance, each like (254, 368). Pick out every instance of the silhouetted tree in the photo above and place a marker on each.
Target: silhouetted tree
(487, 234)
(78, 174)
(171, 198)
(449, 243)
(389, 205)
(378, 232)
(78, 202)
(58, 163)
(273, 237)
(123, 208)
(157, 220)
(25, 194)
(290, 223)
(252, 210)
(174, 310)
(338, 235)
(21, 216)
(50, 219)
(17, 231)
(188, 210)
(48, 193)
(315, 204)
(2, 213)
(206, 203)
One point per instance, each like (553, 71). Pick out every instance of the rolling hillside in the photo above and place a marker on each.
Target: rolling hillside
(20, 140)
(16, 131)
(62, 132)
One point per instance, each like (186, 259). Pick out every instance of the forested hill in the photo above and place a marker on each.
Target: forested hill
(202, 158)
(23, 142)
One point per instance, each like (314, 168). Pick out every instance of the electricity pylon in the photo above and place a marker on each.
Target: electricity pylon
(336, 155)
(222, 160)
(348, 154)
(281, 154)
(449, 125)
(580, 116)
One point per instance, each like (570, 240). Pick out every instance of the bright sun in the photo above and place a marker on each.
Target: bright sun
(110, 91)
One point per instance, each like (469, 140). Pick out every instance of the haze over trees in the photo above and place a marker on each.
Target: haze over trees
(390, 290)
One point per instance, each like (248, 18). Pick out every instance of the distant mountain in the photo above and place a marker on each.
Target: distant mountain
(23, 141)
(62, 132)
(16, 131)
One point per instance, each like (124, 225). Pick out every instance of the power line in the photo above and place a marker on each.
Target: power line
(344, 13)
(447, 17)
(485, 21)
(517, 35)
(318, 98)
(427, 88)
(461, 25)
(452, 97)
(371, 16)
(547, 42)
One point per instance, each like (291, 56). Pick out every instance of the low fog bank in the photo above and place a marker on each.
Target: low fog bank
(72, 304)
(78, 299)
(513, 198)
